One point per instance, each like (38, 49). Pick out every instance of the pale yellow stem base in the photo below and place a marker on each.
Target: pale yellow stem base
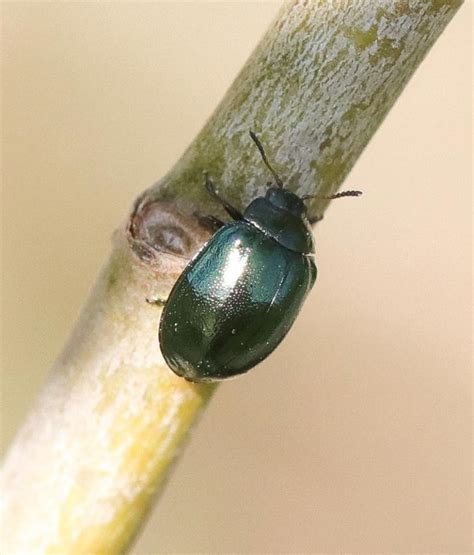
(106, 426)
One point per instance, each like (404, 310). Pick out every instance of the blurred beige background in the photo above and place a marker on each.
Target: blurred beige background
(361, 445)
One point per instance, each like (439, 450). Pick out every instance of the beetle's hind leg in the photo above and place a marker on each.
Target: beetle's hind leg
(157, 301)
(231, 210)
(316, 219)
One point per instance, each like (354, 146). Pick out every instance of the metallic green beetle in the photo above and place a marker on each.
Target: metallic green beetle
(238, 297)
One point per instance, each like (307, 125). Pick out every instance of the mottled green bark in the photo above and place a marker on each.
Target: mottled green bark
(315, 89)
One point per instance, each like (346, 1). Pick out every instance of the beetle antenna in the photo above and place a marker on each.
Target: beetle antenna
(335, 195)
(256, 140)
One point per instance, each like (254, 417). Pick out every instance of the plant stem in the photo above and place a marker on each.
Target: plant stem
(99, 441)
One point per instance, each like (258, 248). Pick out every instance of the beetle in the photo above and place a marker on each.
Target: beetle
(238, 297)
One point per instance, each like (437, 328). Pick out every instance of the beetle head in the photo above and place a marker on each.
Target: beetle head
(286, 200)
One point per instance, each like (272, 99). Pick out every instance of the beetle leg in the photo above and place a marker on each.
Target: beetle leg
(316, 219)
(211, 189)
(210, 222)
(158, 301)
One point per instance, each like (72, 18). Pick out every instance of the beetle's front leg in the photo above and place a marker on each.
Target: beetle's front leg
(231, 210)
(211, 222)
(157, 301)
